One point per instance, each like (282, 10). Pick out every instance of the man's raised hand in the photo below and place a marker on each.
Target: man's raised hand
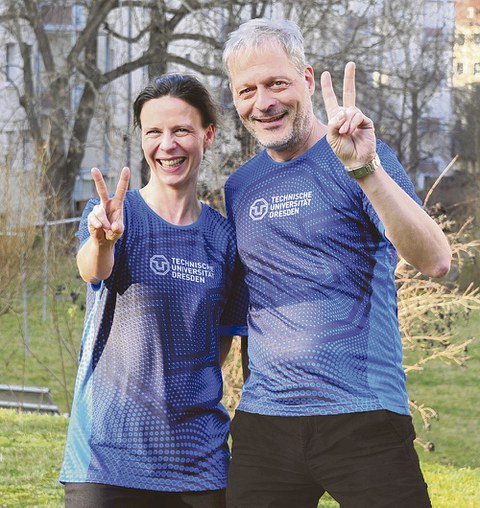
(350, 133)
(105, 221)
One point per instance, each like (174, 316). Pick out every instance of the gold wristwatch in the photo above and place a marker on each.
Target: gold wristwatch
(364, 170)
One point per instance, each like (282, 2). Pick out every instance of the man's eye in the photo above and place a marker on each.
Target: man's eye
(245, 92)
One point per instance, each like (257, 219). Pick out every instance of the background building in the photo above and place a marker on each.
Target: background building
(466, 48)
(67, 83)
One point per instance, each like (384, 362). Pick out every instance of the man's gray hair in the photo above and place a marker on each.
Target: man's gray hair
(256, 32)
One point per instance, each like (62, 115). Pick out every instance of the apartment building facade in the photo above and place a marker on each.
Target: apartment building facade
(111, 142)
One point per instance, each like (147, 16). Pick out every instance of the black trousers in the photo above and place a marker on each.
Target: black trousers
(96, 495)
(363, 460)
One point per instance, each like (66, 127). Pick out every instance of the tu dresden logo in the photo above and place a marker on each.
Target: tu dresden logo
(159, 264)
(258, 209)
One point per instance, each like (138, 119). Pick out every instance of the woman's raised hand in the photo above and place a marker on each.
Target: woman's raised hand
(105, 221)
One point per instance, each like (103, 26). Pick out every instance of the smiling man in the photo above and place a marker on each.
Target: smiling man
(320, 215)
(284, 124)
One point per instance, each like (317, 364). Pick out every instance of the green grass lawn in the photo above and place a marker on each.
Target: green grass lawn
(51, 360)
(453, 391)
(31, 450)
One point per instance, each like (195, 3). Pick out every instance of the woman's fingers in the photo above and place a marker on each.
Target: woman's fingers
(122, 185)
(110, 222)
(100, 184)
(98, 219)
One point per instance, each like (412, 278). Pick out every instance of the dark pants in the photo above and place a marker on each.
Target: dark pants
(361, 459)
(96, 495)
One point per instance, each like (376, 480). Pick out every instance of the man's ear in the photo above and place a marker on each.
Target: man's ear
(310, 79)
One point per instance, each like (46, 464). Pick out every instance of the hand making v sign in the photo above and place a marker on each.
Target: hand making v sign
(105, 221)
(350, 133)
(105, 224)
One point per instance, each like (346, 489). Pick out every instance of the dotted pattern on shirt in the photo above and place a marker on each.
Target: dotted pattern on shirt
(147, 411)
(323, 330)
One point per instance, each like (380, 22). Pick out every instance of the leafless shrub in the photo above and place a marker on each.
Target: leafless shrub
(233, 377)
(19, 208)
(429, 308)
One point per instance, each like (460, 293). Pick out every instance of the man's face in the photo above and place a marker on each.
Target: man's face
(272, 99)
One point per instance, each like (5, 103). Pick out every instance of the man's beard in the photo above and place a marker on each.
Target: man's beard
(299, 131)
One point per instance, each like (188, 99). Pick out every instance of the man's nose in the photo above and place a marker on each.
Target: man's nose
(264, 99)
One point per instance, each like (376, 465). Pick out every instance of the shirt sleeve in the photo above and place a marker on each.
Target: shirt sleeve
(234, 317)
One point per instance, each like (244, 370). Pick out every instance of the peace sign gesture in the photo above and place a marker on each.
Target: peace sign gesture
(105, 221)
(350, 133)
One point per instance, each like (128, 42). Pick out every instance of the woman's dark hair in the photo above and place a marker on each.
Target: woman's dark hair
(180, 86)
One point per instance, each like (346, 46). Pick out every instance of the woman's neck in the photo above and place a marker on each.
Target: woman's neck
(178, 207)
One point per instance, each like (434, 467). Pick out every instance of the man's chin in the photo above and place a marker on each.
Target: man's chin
(279, 145)
(269, 140)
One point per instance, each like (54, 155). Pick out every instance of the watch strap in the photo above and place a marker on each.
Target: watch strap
(364, 170)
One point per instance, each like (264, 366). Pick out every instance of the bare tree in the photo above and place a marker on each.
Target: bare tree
(67, 80)
(467, 128)
(408, 69)
(63, 71)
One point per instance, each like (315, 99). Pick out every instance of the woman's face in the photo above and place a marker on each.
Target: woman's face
(174, 141)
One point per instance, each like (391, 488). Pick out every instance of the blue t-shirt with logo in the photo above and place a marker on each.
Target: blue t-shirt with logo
(147, 410)
(322, 325)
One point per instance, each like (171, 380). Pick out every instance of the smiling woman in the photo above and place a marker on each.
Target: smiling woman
(177, 118)
(164, 297)
(173, 141)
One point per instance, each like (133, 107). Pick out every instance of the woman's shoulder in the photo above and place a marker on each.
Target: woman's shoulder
(214, 216)
(217, 222)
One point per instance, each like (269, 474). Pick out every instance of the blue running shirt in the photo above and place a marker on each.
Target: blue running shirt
(146, 412)
(323, 328)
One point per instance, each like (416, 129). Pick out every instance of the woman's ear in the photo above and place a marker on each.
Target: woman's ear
(209, 136)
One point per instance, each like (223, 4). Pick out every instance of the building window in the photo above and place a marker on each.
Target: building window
(9, 57)
(379, 79)
(79, 16)
(476, 68)
(470, 12)
(460, 39)
(459, 68)
(476, 38)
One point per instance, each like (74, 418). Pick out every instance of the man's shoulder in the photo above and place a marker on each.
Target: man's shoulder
(384, 147)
